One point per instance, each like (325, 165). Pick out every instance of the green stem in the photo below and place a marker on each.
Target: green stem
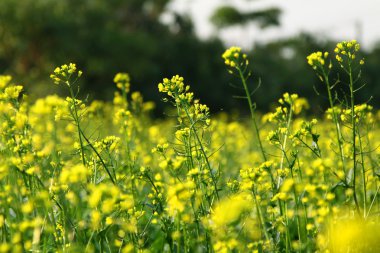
(373, 201)
(339, 135)
(353, 126)
(364, 183)
(287, 233)
(301, 234)
(76, 119)
(283, 146)
(261, 217)
(99, 156)
(192, 126)
(252, 110)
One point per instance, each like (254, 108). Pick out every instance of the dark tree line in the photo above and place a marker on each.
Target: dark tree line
(106, 37)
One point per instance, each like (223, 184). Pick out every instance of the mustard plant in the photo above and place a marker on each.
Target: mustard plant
(68, 75)
(106, 177)
(238, 62)
(346, 56)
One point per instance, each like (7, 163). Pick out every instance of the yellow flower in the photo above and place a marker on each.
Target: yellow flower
(96, 218)
(64, 74)
(236, 206)
(174, 87)
(287, 185)
(346, 50)
(27, 207)
(233, 57)
(74, 174)
(4, 81)
(353, 235)
(12, 92)
(317, 59)
(122, 81)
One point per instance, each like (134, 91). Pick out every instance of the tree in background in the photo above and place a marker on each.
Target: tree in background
(103, 37)
(106, 37)
(226, 16)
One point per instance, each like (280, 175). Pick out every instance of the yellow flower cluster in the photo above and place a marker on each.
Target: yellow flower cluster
(122, 81)
(317, 59)
(361, 112)
(178, 195)
(11, 92)
(236, 206)
(72, 174)
(190, 110)
(4, 81)
(289, 103)
(64, 73)
(348, 50)
(108, 143)
(233, 57)
(176, 88)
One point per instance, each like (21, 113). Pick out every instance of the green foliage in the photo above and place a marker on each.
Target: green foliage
(105, 37)
(228, 16)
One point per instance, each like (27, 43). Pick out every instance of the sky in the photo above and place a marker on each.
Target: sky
(335, 19)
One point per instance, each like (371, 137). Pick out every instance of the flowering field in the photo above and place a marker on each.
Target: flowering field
(106, 177)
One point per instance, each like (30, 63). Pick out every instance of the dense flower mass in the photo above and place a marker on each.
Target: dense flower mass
(106, 177)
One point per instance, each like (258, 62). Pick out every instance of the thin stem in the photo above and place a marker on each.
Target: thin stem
(373, 201)
(335, 119)
(251, 108)
(261, 217)
(99, 156)
(202, 149)
(81, 134)
(364, 183)
(353, 126)
(287, 233)
(77, 122)
(283, 146)
(301, 235)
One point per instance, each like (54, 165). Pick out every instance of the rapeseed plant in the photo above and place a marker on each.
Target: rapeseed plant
(105, 177)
